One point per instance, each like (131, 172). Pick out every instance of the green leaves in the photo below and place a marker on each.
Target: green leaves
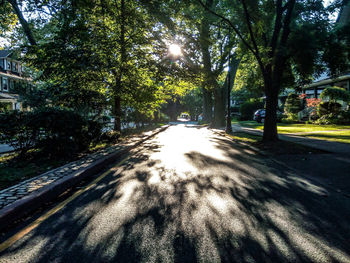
(8, 19)
(335, 93)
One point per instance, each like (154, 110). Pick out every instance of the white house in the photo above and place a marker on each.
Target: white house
(10, 76)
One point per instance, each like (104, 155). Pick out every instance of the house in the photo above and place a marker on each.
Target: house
(343, 80)
(11, 76)
(314, 90)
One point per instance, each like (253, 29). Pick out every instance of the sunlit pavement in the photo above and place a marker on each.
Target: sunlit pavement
(190, 195)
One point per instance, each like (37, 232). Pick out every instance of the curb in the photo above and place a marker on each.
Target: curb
(36, 199)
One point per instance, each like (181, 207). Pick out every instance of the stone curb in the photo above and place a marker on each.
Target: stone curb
(47, 193)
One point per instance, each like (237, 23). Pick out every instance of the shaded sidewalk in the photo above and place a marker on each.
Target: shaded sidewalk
(334, 147)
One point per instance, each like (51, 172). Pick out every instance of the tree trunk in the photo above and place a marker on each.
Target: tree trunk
(234, 63)
(207, 105)
(229, 82)
(173, 111)
(117, 114)
(119, 84)
(204, 41)
(219, 107)
(270, 124)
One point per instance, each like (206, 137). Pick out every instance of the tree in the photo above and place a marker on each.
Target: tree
(7, 18)
(215, 49)
(103, 48)
(265, 29)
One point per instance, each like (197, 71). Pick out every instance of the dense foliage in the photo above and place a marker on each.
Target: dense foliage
(54, 132)
(335, 93)
(328, 107)
(293, 104)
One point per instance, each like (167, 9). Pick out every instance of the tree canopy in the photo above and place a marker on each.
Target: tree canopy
(115, 53)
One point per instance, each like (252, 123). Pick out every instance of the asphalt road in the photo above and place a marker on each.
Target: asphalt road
(191, 195)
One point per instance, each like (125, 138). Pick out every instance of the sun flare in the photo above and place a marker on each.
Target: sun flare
(175, 50)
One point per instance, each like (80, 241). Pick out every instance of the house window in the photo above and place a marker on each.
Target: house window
(12, 85)
(2, 61)
(309, 92)
(5, 84)
(14, 66)
(8, 66)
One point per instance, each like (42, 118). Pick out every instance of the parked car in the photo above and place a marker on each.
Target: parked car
(259, 115)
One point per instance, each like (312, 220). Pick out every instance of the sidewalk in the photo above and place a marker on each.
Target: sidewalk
(30, 194)
(334, 147)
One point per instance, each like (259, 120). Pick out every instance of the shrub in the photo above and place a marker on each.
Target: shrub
(335, 93)
(328, 107)
(18, 130)
(53, 131)
(293, 104)
(290, 118)
(312, 105)
(248, 108)
(66, 132)
(313, 102)
(234, 109)
(110, 136)
(342, 117)
(327, 119)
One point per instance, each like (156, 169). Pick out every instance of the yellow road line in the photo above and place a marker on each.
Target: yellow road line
(10, 241)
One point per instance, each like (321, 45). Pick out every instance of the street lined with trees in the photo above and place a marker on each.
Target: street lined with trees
(93, 73)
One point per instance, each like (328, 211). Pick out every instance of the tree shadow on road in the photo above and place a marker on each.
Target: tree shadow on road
(241, 208)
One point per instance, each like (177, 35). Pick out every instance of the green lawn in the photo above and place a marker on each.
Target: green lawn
(334, 133)
(245, 137)
(293, 128)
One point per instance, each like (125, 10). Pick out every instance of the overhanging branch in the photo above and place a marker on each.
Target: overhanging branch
(257, 55)
(229, 23)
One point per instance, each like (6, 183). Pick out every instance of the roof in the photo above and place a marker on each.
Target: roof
(13, 76)
(329, 80)
(4, 53)
(6, 97)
